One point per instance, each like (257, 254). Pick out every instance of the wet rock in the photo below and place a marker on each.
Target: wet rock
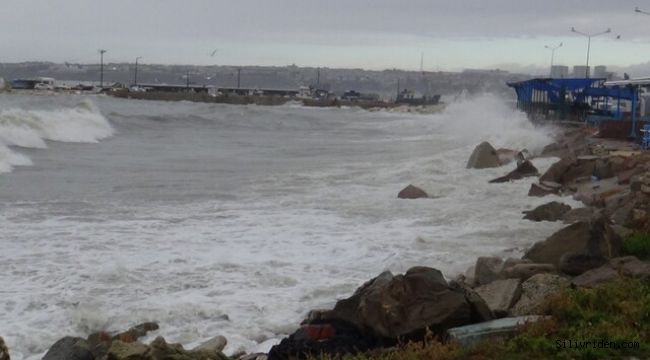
(544, 188)
(524, 169)
(479, 308)
(631, 266)
(120, 350)
(136, 332)
(159, 349)
(510, 262)
(525, 271)
(69, 348)
(255, 356)
(412, 192)
(483, 156)
(552, 211)
(535, 291)
(470, 335)
(4, 351)
(500, 295)
(591, 278)
(214, 345)
(487, 269)
(581, 214)
(575, 264)
(595, 238)
(347, 340)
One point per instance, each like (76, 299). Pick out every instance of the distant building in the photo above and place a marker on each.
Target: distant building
(580, 71)
(600, 71)
(559, 72)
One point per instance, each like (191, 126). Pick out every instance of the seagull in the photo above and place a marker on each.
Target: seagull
(214, 52)
(618, 37)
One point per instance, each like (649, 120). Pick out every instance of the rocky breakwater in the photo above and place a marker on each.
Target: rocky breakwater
(126, 346)
(383, 311)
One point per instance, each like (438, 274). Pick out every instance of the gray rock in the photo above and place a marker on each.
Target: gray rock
(535, 291)
(581, 214)
(4, 352)
(483, 156)
(596, 276)
(214, 345)
(631, 266)
(256, 356)
(552, 211)
(487, 269)
(69, 348)
(575, 264)
(469, 335)
(394, 306)
(524, 271)
(595, 238)
(412, 192)
(524, 169)
(544, 188)
(120, 350)
(479, 308)
(500, 295)
(510, 262)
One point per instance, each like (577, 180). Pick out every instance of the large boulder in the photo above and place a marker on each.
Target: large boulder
(577, 263)
(526, 270)
(594, 238)
(395, 306)
(570, 170)
(524, 169)
(69, 348)
(500, 295)
(535, 291)
(4, 352)
(412, 192)
(214, 345)
(487, 269)
(552, 211)
(544, 188)
(136, 332)
(591, 278)
(383, 311)
(483, 156)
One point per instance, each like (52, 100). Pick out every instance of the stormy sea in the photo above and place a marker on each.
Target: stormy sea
(237, 220)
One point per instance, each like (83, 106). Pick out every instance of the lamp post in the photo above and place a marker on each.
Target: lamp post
(553, 48)
(101, 67)
(589, 36)
(135, 77)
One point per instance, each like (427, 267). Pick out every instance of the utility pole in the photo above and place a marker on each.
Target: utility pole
(589, 36)
(187, 78)
(135, 78)
(101, 67)
(238, 78)
(318, 77)
(553, 48)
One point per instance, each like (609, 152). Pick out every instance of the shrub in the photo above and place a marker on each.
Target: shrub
(637, 245)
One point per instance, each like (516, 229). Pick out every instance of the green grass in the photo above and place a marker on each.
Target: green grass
(637, 245)
(617, 311)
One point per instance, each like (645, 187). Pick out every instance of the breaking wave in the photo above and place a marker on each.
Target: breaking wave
(32, 128)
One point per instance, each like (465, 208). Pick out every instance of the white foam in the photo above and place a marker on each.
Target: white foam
(31, 128)
(289, 241)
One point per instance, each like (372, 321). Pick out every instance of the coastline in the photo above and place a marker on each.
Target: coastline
(320, 335)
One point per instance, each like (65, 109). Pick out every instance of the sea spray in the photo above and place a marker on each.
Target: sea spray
(32, 128)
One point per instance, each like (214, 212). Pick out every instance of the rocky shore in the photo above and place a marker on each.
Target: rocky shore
(493, 299)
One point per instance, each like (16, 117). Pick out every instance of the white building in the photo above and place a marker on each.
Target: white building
(559, 72)
(580, 71)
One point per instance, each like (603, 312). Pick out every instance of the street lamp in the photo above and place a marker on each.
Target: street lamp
(589, 36)
(553, 48)
(135, 77)
(101, 68)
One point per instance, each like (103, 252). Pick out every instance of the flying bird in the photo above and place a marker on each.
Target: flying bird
(214, 52)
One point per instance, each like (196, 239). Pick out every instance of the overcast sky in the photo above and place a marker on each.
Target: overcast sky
(371, 34)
